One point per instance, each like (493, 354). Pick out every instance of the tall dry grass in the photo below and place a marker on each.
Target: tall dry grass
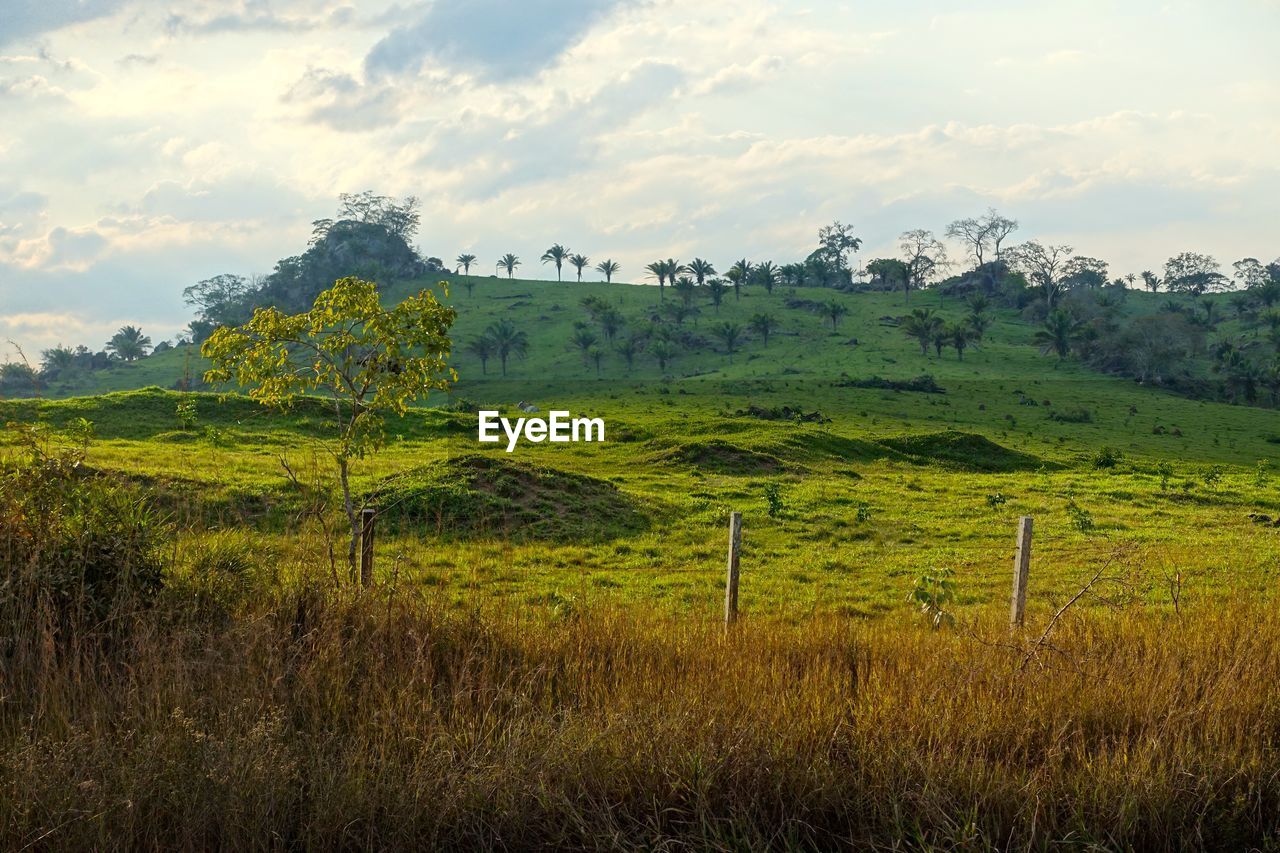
(318, 720)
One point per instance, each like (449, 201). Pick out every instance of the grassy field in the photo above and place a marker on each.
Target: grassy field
(540, 660)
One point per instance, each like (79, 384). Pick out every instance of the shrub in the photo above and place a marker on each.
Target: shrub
(773, 496)
(72, 540)
(1071, 416)
(1107, 457)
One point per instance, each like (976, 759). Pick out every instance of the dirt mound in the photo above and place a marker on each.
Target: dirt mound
(721, 457)
(963, 450)
(478, 496)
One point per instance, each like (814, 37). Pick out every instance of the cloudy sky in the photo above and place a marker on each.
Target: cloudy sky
(147, 144)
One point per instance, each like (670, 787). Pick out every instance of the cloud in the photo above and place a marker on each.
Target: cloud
(24, 19)
(739, 78)
(497, 40)
(255, 16)
(489, 155)
(339, 101)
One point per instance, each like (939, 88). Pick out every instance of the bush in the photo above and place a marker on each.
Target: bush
(1107, 457)
(73, 540)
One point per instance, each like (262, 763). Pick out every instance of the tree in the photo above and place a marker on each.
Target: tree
(1058, 333)
(716, 289)
(763, 325)
(833, 311)
(1191, 272)
(663, 352)
(370, 361)
(1043, 265)
(701, 270)
(611, 321)
(729, 335)
(57, 360)
(509, 262)
(978, 320)
(921, 324)
(465, 262)
(836, 242)
(557, 254)
(627, 348)
(508, 340)
(767, 275)
(678, 312)
(221, 300)
(685, 288)
(1081, 271)
(889, 273)
(1151, 280)
(1249, 273)
(578, 262)
(483, 348)
(738, 274)
(608, 268)
(982, 234)
(398, 218)
(960, 336)
(584, 339)
(129, 344)
(470, 285)
(923, 254)
(998, 229)
(597, 355)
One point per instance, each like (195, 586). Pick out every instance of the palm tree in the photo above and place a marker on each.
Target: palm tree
(57, 359)
(579, 261)
(678, 311)
(597, 355)
(482, 347)
(729, 334)
(763, 325)
(701, 269)
(611, 320)
(469, 285)
(584, 339)
(663, 352)
(608, 268)
(833, 311)
(557, 254)
(465, 261)
(658, 269)
(509, 262)
(684, 288)
(627, 348)
(1151, 280)
(961, 336)
(767, 274)
(508, 341)
(1058, 332)
(738, 274)
(129, 343)
(716, 289)
(921, 324)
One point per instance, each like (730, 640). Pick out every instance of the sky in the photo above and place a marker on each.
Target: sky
(148, 145)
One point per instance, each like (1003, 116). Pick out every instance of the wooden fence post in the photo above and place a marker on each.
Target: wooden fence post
(1021, 571)
(366, 546)
(731, 580)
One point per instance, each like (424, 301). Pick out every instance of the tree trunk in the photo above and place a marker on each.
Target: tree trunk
(353, 518)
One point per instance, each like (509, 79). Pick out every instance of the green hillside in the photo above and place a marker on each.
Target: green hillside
(872, 485)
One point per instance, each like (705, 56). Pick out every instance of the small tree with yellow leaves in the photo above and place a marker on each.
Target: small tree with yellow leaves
(369, 360)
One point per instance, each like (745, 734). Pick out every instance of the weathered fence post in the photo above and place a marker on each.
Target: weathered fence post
(1021, 570)
(731, 580)
(366, 546)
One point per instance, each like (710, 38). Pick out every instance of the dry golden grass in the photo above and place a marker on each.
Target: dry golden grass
(320, 720)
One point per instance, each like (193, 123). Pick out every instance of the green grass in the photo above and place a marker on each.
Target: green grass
(921, 466)
(540, 661)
